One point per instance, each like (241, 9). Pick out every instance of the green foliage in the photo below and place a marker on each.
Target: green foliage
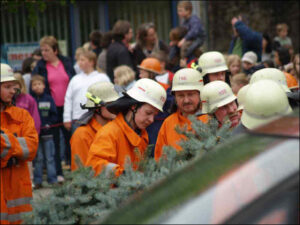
(33, 8)
(85, 198)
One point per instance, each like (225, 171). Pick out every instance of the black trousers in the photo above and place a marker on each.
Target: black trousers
(56, 137)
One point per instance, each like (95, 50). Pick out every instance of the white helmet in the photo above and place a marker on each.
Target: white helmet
(265, 101)
(212, 62)
(149, 91)
(6, 73)
(100, 92)
(270, 74)
(214, 95)
(241, 96)
(187, 79)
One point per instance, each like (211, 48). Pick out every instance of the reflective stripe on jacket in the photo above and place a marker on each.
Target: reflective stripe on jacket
(167, 134)
(113, 143)
(81, 141)
(19, 141)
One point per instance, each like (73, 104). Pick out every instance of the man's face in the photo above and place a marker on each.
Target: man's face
(229, 110)
(8, 90)
(187, 101)
(217, 76)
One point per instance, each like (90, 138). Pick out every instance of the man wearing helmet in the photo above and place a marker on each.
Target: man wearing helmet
(19, 142)
(212, 66)
(265, 101)
(150, 68)
(98, 96)
(119, 138)
(279, 77)
(218, 100)
(186, 87)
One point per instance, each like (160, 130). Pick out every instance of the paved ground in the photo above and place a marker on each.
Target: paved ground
(46, 188)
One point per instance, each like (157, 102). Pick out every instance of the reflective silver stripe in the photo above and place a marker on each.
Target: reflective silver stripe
(18, 202)
(8, 145)
(109, 168)
(285, 111)
(12, 217)
(24, 147)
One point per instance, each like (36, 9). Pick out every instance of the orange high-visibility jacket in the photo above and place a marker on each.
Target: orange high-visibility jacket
(81, 141)
(167, 134)
(113, 143)
(19, 139)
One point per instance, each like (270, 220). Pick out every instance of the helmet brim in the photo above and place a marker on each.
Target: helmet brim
(6, 79)
(252, 122)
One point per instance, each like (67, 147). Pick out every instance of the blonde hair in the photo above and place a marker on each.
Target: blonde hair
(21, 82)
(37, 77)
(232, 59)
(281, 26)
(78, 52)
(91, 56)
(240, 79)
(124, 74)
(51, 41)
(187, 5)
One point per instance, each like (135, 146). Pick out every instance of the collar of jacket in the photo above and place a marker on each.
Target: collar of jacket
(132, 136)
(184, 120)
(10, 111)
(94, 124)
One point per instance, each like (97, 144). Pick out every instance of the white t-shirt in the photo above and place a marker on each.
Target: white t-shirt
(76, 91)
(163, 78)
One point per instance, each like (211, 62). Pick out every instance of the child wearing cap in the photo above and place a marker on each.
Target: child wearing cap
(249, 63)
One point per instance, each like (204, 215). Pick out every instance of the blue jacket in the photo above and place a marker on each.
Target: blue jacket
(194, 28)
(42, 70)
(251, 40)
(154, 128)
(47, 111)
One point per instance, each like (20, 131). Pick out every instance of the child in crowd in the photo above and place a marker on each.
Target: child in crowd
(282, 39)
(46, 150)
(175, 35)
(124, 78)
(166, 75)
(234, 64)
(238, 81)
(77, 54)
(26, 101)
(77, 88)
(195, 33)
(249, 62)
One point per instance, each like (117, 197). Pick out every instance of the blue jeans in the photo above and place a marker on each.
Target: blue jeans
(45, 151)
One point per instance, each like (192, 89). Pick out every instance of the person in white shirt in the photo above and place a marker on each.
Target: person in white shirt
(77, 88)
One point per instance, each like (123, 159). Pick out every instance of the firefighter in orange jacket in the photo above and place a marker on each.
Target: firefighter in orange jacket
(119, 138)
(19, 142)
(98, 95)
(186, 86)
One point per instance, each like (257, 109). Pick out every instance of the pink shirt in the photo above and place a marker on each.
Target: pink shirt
(58, 80)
